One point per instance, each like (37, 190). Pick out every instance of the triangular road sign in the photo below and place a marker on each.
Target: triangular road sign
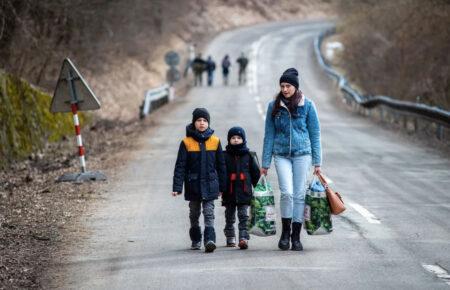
(72, 88)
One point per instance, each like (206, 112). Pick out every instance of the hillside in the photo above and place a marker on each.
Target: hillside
(397, 48)
(120, 47)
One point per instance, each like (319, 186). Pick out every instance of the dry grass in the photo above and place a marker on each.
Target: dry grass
(398, 48)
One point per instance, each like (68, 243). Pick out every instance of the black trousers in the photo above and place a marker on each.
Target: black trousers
(230, 219)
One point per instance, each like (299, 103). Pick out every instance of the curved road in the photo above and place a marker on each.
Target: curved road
(398, 197)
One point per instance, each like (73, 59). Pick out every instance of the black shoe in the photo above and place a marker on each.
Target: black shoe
(210, 246)
(209, 239)
(196, 237)
(295, 237)
(196, 245)
(283, 244)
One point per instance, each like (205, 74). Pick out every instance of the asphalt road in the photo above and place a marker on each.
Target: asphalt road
(397, 193)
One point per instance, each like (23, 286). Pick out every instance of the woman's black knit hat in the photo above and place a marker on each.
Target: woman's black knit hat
(200, 113)
(290, 76)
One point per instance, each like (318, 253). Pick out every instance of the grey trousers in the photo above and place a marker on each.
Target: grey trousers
(230, 219)
(195, 208)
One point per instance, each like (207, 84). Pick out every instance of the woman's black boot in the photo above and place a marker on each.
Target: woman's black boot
(283, 244)
(295, 237)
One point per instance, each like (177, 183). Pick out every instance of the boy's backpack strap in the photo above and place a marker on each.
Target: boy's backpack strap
(255, 157)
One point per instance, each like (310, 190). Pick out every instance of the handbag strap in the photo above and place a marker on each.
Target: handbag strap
(322, 180)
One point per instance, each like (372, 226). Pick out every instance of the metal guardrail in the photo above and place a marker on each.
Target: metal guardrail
(154, 99)
(433, 113)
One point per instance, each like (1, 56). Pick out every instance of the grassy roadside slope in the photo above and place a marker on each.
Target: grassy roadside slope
(397, 48)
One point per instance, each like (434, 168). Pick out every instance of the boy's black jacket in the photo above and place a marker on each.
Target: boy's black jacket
(240, 192)
(200, 166)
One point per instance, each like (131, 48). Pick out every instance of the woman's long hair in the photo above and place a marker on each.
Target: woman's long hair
(292, 106)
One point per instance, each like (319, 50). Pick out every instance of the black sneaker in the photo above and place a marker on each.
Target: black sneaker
(210, 246)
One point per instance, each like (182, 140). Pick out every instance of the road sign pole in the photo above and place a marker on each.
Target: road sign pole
(76, 121)
(78, 136)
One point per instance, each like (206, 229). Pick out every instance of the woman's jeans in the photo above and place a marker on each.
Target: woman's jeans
(292, 175)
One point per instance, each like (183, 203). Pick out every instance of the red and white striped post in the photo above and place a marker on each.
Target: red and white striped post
(76, 122)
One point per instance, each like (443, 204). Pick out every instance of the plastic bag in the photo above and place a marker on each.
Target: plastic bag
(262, 210)
(317, 209)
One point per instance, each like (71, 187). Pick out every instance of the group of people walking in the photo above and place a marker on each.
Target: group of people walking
(292, 138)
(199, 66)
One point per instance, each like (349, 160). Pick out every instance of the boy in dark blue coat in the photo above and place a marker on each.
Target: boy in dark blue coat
(242, 174)
(200, 166)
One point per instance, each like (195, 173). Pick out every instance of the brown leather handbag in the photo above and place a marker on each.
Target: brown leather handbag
(334, 198)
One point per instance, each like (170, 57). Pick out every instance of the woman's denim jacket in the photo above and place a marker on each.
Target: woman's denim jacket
(288, 136)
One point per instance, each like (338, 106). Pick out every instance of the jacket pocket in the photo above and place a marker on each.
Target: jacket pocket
(192, 183)
(213, 184)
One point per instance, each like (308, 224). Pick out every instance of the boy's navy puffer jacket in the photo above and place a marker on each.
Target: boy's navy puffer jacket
(200, 166)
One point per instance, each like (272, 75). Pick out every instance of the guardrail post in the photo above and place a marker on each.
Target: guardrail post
(440, 132)
(391, 117)
(395, 118)
(404, 122)
(410, 124)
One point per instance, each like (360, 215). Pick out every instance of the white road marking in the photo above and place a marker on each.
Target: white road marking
(252, 75)
(370, 217)
(438, 271)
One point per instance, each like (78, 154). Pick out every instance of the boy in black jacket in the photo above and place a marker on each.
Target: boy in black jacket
(201, 167)
(242, 174)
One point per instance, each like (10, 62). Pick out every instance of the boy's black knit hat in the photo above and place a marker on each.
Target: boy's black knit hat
(290, 76)
(200, 113)
(236, 131)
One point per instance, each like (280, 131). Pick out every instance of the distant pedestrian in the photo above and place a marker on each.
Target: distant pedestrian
(292, 136)
(243, 62)
(242, 175)
(200, 166)
(226, 64)
(190, 59)
(210, 68)
(198, 66)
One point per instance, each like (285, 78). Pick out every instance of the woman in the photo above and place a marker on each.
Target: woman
(292, 136)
